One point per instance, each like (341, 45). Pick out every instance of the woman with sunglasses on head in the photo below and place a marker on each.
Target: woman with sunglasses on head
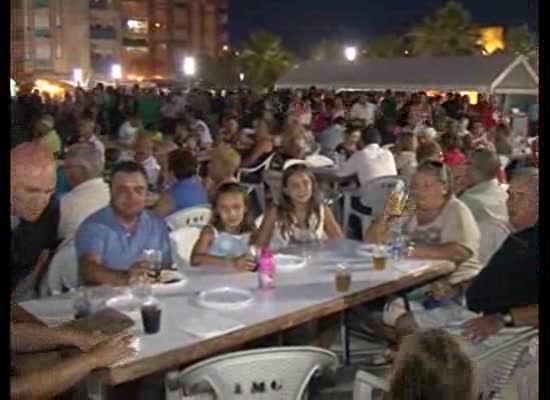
(441, 227)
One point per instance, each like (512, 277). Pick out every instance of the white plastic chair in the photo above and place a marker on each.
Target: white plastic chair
(493, 367)
(182, 241)
(257, 188)
(374, 195)
(270, 374)
(62, 272)
(199, 215)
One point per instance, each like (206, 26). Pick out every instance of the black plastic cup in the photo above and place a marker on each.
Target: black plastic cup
(151, 315)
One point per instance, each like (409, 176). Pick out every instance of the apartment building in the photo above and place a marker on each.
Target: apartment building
(50, 38)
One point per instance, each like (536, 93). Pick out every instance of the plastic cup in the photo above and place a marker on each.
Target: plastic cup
(379, 258)
(151, 315)
(342, 279)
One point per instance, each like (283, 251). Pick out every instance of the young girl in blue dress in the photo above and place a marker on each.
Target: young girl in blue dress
(225, 241)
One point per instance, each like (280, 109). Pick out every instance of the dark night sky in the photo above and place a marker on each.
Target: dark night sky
(301, 23)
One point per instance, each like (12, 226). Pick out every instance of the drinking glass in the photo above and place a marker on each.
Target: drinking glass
(81, 302)
(154, 259)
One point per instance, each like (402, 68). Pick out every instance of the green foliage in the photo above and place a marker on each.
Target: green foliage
(264, 59)
(518, 39)
(385, 47)
(327, 50)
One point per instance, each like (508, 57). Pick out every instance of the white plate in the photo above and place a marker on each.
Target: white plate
(169, 275)
(225, 298)
(124, 303)
(288, 263)
(365, 250)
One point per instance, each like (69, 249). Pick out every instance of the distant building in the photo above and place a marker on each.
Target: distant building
(147, 37)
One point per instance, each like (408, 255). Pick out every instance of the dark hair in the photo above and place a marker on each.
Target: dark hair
(371, 136)
(232, 188)
(286, 207)
(450, 141)
(182, 163)
(339, 120)
(128, 167)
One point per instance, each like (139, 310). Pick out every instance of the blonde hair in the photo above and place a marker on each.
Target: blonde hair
(227, 156)
(432, 366)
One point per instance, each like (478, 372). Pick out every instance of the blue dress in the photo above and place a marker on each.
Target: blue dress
(228, 245)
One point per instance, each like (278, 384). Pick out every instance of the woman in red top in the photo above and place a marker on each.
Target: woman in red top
(452, 155)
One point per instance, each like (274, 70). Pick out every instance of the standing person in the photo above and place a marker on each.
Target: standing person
(149, 106)
(110, 242)
(225, 240)
(363, 110)
(83, 165)
(198, 126)
(389, 107)
(129, 130)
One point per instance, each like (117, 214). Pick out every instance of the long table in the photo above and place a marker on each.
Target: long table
(299, 297)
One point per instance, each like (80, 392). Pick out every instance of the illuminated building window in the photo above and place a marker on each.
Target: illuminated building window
(137, 26)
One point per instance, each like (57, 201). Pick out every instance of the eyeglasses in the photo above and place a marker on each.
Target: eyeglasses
(431, 163)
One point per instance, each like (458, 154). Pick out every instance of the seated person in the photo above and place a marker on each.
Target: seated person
(263, 146)
(300, 216)
(99, 351)
(484, 196)
(404, 153)
(432, 365)
(333, 136)
(441, 227)
(222, 168)
(34, 217)
(293, 146)
(230, 132)
(86, 133)
(129, 130)
(144, 147)
(225, 241)
(110, 243)
(429, 151)
(350, 145)
(452, 154)
(45, 134)
(186, 189)
(83, 165)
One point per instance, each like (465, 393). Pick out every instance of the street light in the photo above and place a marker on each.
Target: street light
(351, 53)
(189, 66)
(116, 72)
(77, 76)
(241, 77)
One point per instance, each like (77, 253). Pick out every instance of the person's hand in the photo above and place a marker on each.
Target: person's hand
(442, 290)
(114, 349)
(85, 341)
(139, 273)
(480, 328)
(243, 263)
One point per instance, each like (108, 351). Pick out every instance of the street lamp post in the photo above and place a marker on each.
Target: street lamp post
(116, 73)
(189, 68)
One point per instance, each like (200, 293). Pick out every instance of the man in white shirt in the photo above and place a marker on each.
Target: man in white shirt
(371, 162)
(200, 127)
(129, 130)
(86, 134)
(485, 197)
(83, 165)
(144, 148)
(363, 110)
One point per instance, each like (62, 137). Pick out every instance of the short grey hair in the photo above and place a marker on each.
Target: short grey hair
(486, 163)
(531, 177)
(88, 158)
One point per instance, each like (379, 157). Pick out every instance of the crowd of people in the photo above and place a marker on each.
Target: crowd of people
(104, 167)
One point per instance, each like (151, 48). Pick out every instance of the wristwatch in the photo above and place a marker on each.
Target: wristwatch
(506, 318)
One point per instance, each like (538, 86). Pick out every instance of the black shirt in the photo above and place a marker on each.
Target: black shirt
(511, 279)
(29, 239)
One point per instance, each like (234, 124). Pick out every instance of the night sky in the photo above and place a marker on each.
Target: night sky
(302, 23)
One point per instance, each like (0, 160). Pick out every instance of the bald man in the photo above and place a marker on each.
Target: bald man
(34, 216)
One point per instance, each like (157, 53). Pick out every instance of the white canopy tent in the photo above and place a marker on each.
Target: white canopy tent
(500, 74)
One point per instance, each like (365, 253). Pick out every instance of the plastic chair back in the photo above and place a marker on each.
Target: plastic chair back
(199, 216)
(62, 272)
(270, 374)
(182, 241)
(376, 192)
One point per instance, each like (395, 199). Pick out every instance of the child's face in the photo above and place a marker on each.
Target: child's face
(299, 188)
(231, 208)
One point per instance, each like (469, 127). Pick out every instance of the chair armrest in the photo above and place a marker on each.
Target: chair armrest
(365, 383)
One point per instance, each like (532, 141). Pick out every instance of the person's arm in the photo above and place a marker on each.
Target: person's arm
(165, 206)
(19, 314)
(377, 232)
(265, 232)
(260, 149)
(200, 256)
(332, 228)
(46, 384)
(444, 251)
(526, 316)
(93, 272)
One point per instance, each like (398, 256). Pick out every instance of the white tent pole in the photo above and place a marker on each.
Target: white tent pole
(504, 74)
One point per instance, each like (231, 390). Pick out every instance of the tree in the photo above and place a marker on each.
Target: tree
(264, 59)
(449, 31)
(385, 47)
(327, 50)
(518, 39)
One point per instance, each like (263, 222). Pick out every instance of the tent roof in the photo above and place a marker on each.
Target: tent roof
(470, 73)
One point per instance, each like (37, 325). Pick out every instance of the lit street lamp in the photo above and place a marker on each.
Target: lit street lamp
(77, 76)
(189, 66)
(241, 77)
(351, 53)
(116, 72)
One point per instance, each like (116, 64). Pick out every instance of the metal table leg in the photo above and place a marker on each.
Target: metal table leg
(344, 337)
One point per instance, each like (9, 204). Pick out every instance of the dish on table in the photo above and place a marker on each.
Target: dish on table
(225, 298)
